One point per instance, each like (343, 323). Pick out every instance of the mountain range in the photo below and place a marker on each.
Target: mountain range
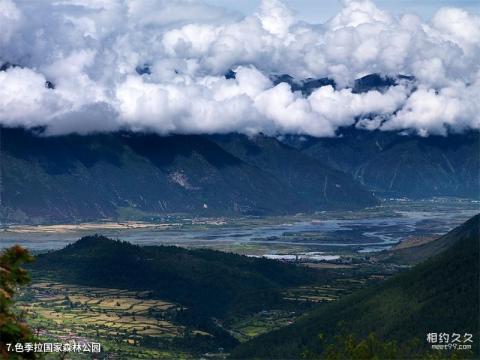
(74, 177)
(392, 164)
(99, 176)
(142, 175)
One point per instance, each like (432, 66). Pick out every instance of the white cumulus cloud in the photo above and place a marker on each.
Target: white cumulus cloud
(160, 66)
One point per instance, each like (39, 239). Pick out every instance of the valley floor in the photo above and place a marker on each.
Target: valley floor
(133, 324)
(333, 232)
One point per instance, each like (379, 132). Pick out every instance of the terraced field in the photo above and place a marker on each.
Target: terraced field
(115, 318)
(355, 278)
(261, 323)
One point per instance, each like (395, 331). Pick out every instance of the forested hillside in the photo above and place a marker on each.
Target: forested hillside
(206, 281)
(438, 295)
(91, 177)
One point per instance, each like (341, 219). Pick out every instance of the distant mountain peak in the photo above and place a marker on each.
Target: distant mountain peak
(363, 84)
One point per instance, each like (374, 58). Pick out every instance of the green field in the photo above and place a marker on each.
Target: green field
(126, 321)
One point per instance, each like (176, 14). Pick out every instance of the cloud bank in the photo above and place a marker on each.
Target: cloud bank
(160, 65)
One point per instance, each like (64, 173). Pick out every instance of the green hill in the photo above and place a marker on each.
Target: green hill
(438, 295)
(208, 282)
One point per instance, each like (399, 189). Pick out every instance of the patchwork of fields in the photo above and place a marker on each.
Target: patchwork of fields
(112, 317)
(137, 326)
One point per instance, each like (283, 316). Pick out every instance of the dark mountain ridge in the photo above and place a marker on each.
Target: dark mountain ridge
(392, 164)
(138, 175)
(375, 81)
(75, 177)
(308, 178)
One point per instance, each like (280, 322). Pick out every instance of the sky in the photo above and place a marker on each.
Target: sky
(318, 11)
(159, 65)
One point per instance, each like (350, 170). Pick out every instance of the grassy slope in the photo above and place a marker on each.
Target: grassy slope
(439, 295)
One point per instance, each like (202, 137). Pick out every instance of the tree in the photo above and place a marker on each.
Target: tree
(12, 275)
(347, 347)
(370, 348)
